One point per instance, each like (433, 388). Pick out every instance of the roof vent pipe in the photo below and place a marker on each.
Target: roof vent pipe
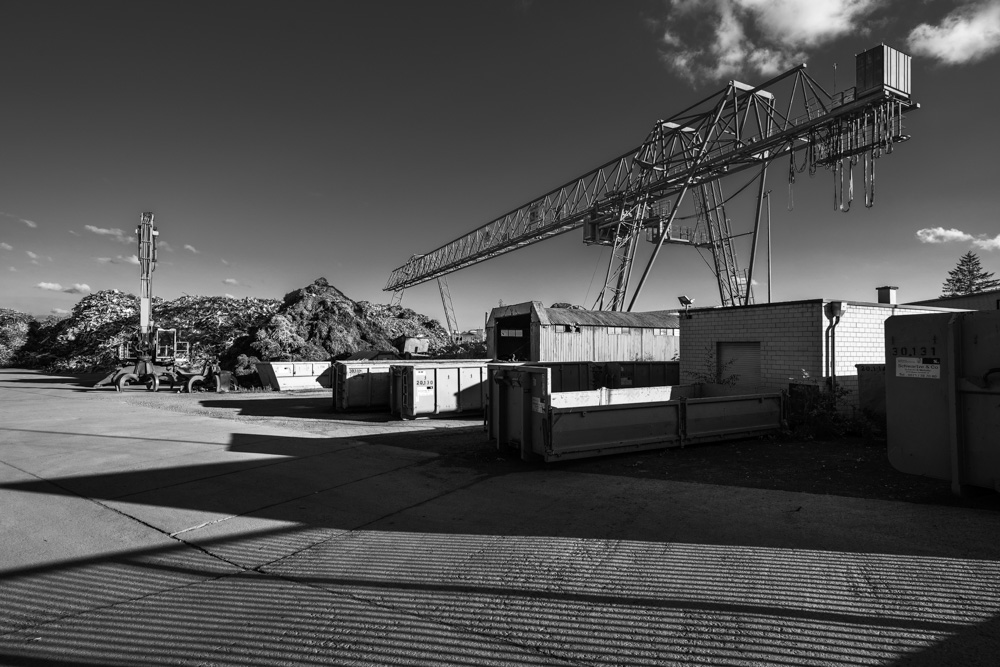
(887, 294)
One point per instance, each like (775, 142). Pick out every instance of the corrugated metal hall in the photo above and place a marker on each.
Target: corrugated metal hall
(531, 332)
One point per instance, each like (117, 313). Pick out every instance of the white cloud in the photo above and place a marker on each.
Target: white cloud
(78, 288)
(6, 246)
(31, 254)
(60, 311)
(191, 248)
(231, 281)
(229, 296)
(942, 235)
(74, 233)
(11, 268)
(51, 287)
(968, 34)
(987, 243)
(163, 245)
(118, 260)
(707, 40)
(30, 223)
(111, 232)
(224, 261)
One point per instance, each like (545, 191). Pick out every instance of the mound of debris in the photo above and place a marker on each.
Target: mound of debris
(316, 322)
(88, 340)
(319, 321)
(14, 328)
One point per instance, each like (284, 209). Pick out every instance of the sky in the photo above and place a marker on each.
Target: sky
(277, 143)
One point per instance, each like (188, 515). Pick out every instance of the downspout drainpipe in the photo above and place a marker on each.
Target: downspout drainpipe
(954, 360)
(834, 312)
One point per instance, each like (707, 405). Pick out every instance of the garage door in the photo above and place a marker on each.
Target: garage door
(742, 360)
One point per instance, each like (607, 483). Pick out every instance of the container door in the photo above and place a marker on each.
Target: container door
(979, 399)
(916, 394)
(471, 387)
(422, 399)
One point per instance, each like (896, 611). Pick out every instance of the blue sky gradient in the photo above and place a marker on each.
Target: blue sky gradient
(280, 142)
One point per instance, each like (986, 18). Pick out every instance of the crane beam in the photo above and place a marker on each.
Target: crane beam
(737, 128)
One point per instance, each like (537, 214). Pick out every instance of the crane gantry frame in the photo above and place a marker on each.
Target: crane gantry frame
(738, 128)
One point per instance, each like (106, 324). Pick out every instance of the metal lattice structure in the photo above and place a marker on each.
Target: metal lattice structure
(451, 322)
(740, 127)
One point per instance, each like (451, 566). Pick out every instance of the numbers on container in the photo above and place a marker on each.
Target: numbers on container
(914, 351)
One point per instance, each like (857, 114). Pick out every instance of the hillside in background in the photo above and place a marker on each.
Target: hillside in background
(316, 322)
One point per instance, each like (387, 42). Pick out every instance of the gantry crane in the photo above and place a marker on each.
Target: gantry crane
(739, 128)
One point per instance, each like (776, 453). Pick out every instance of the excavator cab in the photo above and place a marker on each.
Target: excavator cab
(161, 347)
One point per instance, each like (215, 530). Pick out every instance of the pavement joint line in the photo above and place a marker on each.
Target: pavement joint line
(289, 500)
(350, 531)
(125, 515)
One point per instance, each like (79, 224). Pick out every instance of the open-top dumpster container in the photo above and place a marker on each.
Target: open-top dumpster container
(526, 415)
(942, 396)
(446, 387)
(367, 385)
(291, 375)
(585, 376)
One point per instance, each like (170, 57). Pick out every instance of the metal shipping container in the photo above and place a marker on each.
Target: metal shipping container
(367, 385)
(526, 415)
(942, 396)
(436, 389)
(567, 376)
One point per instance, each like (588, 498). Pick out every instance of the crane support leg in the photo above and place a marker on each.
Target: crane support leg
(756, 228)
(656, 250)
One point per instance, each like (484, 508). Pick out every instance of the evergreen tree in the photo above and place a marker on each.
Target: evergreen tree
(968, 278)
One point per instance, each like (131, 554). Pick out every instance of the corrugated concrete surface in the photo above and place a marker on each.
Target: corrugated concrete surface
(132, 535)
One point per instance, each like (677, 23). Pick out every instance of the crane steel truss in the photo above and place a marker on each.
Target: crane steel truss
(451, 322)
(737, 128)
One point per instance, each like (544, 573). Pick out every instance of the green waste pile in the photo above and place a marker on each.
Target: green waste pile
(314, 323)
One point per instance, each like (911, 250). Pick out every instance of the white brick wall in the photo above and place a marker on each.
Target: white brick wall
(794, 337)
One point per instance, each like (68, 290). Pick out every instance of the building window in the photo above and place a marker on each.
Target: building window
(663, 332)
(567, 328)
(511, 333)
(619, 331)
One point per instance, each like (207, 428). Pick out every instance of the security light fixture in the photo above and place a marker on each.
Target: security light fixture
(686, 302)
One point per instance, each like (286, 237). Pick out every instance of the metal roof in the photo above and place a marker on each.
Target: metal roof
(659, 319)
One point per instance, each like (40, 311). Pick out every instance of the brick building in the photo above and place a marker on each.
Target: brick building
(771, 345)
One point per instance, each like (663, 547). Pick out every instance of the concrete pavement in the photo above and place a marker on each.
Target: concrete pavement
(135, 535)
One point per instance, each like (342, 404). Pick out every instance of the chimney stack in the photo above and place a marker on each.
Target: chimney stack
(887, 294)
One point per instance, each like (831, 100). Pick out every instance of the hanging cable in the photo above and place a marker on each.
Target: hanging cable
(869, 179)
(791, 180)
(836, 169)
(850, 186)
